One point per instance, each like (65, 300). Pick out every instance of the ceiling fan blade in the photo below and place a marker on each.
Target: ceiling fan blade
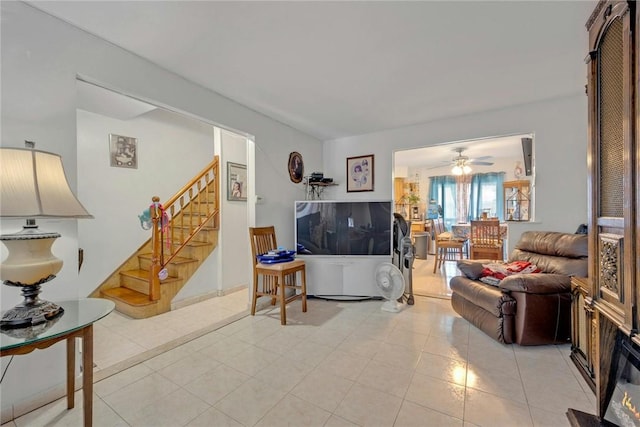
(482, 158)
(482, 163)
(437, 166)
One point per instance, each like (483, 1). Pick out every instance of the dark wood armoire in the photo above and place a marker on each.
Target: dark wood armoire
(612, 353)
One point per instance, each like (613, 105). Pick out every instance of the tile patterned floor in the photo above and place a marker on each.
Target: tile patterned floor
(339, 364)
(428, 283)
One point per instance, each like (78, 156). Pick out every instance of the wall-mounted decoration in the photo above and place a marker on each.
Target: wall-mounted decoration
(123, 151)
(296, 167)
(360, 173)
(236, 182)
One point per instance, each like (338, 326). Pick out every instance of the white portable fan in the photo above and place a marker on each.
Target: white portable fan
(390, 281)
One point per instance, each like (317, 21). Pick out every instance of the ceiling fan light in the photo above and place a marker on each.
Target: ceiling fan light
(466, 169)
(456, 170)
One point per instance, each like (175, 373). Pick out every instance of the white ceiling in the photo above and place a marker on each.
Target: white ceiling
(493, 149)
(337, 69)
(107, 103)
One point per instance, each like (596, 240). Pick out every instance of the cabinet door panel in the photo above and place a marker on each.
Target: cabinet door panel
(610, 159)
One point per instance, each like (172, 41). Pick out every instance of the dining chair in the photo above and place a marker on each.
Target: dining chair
(485, 241)
(447, 244)
(276, 278)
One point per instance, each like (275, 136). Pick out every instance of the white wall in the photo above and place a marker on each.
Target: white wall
(235, 235)
(171, 150)
(559, 148)
(41, 59)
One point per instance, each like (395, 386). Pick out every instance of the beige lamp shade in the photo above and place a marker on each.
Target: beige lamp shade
(33, 185)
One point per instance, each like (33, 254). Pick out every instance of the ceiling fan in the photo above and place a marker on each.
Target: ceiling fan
(461, 164)
(464, 160)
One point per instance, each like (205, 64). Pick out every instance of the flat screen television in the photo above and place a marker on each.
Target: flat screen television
(325, 227)
(624, 407)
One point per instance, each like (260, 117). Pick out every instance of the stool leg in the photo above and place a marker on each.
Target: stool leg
(435, 258)
(255, 296)
(303, 277)
(275, 289)
(283, 302)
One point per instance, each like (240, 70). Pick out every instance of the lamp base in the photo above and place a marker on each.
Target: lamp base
(31, 311)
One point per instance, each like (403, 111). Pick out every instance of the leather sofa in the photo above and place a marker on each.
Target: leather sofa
(526, 309)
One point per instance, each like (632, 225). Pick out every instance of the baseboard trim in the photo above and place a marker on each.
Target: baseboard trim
(206, 296)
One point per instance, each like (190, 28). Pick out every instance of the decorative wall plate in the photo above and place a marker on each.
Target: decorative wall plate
(296, 167)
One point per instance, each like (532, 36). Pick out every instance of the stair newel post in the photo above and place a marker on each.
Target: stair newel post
(156, 241)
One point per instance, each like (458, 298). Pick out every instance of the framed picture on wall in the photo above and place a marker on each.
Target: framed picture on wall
(236, 182)
(296, 167)
(123, 151)
(360, 173)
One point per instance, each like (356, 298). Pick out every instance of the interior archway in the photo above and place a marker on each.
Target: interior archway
(413, 170)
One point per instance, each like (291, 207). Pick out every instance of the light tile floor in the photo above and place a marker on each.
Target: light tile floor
(339, 364)
(121, 342)
(427, 283)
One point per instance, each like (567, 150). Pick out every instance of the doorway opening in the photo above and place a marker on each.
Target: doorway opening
(171, 148)
(460, 181)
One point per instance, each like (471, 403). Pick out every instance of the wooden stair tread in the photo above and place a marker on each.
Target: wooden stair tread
(194, 243)
(144, 275)
(128, 296)
(204, 227)
(176, 260)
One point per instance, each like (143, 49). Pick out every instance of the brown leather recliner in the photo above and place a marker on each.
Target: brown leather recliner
(526, 309)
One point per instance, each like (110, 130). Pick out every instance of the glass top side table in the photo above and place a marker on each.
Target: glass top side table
(76, 322)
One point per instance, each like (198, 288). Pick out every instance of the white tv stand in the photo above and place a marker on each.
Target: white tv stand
(342, 276)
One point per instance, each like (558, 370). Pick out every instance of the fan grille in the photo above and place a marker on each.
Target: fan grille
(390, 281)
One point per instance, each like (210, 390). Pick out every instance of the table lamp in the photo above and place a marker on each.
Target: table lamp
(32, 185)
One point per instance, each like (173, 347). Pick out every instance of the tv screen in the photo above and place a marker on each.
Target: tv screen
(623, 407)
(343, 228)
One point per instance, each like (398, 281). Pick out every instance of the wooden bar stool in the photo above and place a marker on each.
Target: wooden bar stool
(276, 278)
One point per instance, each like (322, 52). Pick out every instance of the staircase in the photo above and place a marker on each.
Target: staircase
(179, 246)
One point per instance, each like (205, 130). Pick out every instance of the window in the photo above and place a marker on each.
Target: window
(443, 190)
(462, 200)
(486, 195)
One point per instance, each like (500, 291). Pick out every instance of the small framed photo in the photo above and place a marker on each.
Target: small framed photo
(123, 151)
(360, 173)
(236, 182)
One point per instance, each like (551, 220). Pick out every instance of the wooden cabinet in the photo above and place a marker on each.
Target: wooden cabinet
(517, 195)
(406, 194)
(399, 197)
(417, 227)
(612, 161)
(582, 330)
(613, 183)
(398, 190)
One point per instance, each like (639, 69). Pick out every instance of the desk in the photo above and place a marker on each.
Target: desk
(76, 322)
